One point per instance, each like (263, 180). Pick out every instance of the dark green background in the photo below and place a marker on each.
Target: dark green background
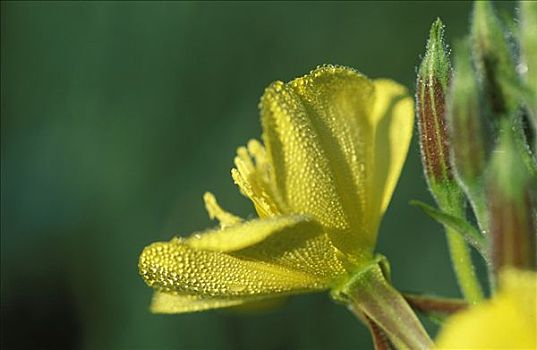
(116, 117)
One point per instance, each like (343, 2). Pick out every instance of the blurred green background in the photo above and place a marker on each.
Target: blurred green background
(116, 117)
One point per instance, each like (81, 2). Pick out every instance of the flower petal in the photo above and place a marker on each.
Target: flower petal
(507, 321)
(293, 245)
(305, 248)
(392, 119)
(296, 242)
(246, 234)
(165, 303)
(317, 133)
(175, 267)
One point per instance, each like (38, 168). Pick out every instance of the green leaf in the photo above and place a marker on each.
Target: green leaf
(459, 225)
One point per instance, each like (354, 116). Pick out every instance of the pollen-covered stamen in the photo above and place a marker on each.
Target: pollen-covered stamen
(254, 178)
(216, 212)
(257, 151)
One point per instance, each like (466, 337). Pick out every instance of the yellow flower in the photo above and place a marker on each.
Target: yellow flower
(507, 321)
(334, 144)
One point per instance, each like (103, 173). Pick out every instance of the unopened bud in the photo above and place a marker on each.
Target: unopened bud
(494, 62)
(527, 67)
(528, 42)
(466, 127)
(432, 87)
(512, 206)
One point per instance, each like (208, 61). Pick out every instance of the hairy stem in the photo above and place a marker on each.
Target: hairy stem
(368, 294)
(463, 267)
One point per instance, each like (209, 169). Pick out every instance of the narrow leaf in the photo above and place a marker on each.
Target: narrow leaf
(460, 225)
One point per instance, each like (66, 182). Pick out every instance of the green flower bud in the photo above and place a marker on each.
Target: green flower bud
(467, 129)
(528, 54)
(493, 61)
(528, 43)
(512, 206)
(432, 87)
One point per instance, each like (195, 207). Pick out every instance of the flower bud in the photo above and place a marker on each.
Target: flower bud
(432, 86)
(493, 61)
(528, 43)
(512, 207)
(466, 129)
(528, 65)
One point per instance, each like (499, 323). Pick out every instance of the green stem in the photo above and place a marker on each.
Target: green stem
(368, 294)
(463, 267)
(461, 259)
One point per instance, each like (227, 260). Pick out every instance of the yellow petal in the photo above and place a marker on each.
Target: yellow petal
(507, 321)
(296, 242)
(216, 212)
(303, 247)
(392, 120)
(246, 234)
(259, 306)
(165, 303)
(175, 267)
(317, 133)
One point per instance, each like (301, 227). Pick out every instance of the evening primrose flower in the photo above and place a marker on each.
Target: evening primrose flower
(507, 321)
(334, 143)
